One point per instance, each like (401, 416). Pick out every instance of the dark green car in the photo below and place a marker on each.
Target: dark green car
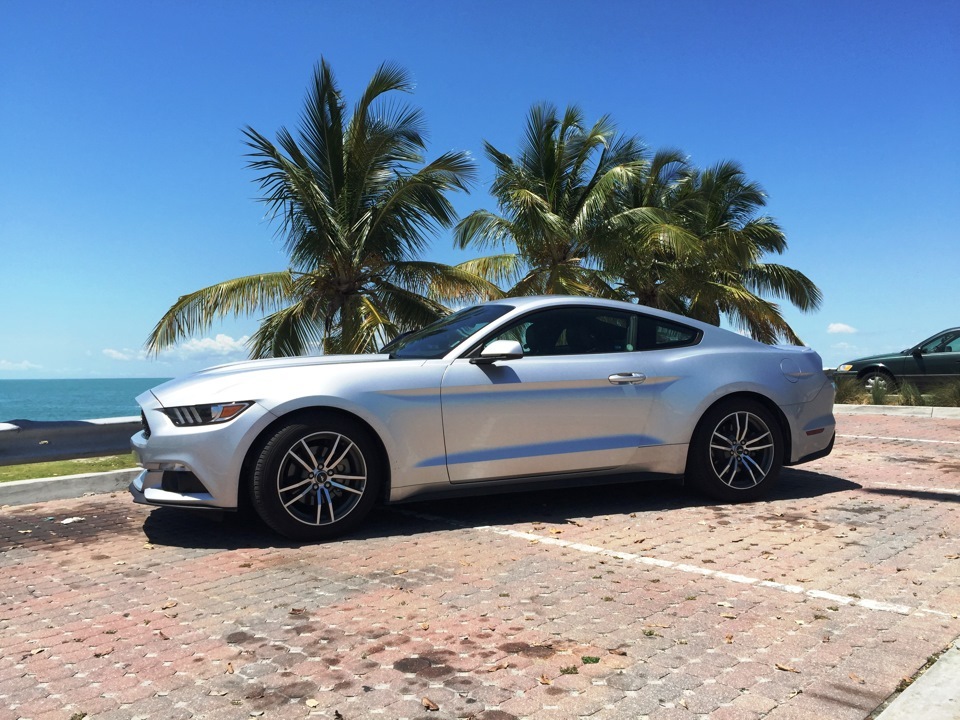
(929, 363)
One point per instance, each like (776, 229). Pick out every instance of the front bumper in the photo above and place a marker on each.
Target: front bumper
(198, 467)
(147, 490)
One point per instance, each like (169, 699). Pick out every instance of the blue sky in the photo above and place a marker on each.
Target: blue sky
(123, 183)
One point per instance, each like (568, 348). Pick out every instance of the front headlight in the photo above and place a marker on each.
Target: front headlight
(193, 415)
(845, 368)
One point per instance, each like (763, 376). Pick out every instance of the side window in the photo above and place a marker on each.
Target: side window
(948, 342)
(587, 331)
(572, 331)
(659, 334)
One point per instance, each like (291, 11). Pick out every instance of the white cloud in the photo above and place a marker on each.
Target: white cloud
(844, 346)
(22, 365)
(125, 355)
(840, 328)
(219, 346)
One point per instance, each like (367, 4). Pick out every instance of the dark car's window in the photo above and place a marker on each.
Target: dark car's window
(584, 331)
(439, 338)
(947, 342)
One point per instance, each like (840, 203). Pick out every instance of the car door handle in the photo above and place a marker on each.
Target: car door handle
(627, 378)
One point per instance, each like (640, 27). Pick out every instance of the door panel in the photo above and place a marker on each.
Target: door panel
(543, 415)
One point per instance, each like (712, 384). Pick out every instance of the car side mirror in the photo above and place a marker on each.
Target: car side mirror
(499, 350)
(916, 352)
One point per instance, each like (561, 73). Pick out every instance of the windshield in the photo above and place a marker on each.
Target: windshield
(439, 338)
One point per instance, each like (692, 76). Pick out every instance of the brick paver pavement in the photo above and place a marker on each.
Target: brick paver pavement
(619, 601)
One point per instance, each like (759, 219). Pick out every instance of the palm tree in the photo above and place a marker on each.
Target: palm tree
(557, 206)
(354, 203)
(713, 266)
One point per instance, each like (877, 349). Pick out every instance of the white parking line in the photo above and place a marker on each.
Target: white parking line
(730, 577)
(692, 569)
(899, 439)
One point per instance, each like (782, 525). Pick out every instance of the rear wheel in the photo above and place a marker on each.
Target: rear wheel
(317, 477)
(736, 452)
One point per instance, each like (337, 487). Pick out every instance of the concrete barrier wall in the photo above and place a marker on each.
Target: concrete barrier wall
(29, 441)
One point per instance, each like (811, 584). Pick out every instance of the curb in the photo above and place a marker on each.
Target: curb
(934, 696)
(943, 413)
(25, 492)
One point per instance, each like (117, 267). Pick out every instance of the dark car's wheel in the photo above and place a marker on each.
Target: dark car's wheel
(317, 477)
(878, 378)
(736, 452)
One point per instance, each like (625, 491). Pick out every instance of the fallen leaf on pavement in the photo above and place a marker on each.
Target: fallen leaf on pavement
(502, 665)
(857, 679)
(728, 639)
(786, 668)
(312, 703)
(168, 604)
(400, 571)
(297, 611)
(429, 704)
(230, 668)
(617, 651)
(544, 680)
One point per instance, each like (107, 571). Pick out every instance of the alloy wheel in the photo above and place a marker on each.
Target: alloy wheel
(321, 479)
(742, 450)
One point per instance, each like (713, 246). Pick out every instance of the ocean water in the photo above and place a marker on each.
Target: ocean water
(71, 399)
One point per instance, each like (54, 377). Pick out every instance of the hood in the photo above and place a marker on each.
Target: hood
(873, 359)
(236, 381)
(288, 362)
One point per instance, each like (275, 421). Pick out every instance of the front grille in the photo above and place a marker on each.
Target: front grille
(144, 424)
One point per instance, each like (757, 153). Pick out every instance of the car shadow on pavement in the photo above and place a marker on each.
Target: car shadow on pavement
(229, 531)
(950, 496)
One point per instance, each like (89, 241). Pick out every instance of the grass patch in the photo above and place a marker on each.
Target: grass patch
(849, 392)
(878, 394)
(947, 395)
(909, 395)
(59, 468)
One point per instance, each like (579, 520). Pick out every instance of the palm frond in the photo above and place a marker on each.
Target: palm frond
(292, 330)
(195, 312)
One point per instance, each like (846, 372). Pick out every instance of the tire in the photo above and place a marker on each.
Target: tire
(736, 452)
(878, 377)
(317, 477)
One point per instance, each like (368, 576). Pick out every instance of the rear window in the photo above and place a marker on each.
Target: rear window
(659, 334)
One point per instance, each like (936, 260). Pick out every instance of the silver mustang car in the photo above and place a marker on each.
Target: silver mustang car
(513, 393)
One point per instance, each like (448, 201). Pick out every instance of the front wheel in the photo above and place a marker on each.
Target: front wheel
(880, 380)
(736, 452)
(317, 477)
